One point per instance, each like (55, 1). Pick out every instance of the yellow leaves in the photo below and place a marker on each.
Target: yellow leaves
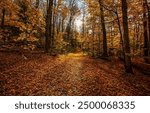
(32, 39)
(21, 37)
(26, 19)
(28, 47)
(27, 37)
(114, 40)
(65, 12)
(8, 5)
(60, 43)
(22, 27)
(59, 2)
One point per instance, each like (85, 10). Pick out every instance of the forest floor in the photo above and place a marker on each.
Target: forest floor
(72, 74)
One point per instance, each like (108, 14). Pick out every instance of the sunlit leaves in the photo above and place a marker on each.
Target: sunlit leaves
(24, 16)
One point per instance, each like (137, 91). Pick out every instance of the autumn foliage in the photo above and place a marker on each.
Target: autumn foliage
(74, 47)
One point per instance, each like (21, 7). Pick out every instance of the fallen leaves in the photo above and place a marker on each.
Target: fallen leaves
(73, 74)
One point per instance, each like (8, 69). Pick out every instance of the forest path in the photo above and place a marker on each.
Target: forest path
(72, 74)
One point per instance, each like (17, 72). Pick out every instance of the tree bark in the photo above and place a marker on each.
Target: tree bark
(105, 54)
(128, 65)
(37, 3)
(48, 31)
(3, 18)
(145, 30)
(83, 24)
(93, 38)
(148, 10)
(53, 25)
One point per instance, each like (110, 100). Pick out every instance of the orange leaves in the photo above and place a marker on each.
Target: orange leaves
(25, 19)
(76, 74)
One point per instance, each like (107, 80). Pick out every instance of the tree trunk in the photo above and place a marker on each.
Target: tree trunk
(121, 37)
(145, 30)
(99, 40)
(53, 26)
(48, 26)
(83, 24)
(37, 3)
(62, 25)
(69, 29)
(105, 54)
(128, 65)
(148, 10)
(93, 38)
(3, 18)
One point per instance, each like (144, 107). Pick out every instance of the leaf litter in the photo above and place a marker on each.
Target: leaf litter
(73, 75)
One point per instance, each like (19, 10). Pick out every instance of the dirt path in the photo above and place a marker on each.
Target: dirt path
(73, 74)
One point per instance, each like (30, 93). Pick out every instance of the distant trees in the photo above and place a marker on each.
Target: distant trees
(60, 21)
(27, 20)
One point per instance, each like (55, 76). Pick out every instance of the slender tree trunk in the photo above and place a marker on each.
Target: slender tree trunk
(48, 26)
(99, 41)
(83, 24)
(69, 28)
(128, 65)
(105, 54)
(93, 39)
(121, 37)
(3, 18)
(148, 10)
(37, 3)
(53, 25)
(145, 30)
(59, 26)
(137, 35)
(120, 31)
(62, 25)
